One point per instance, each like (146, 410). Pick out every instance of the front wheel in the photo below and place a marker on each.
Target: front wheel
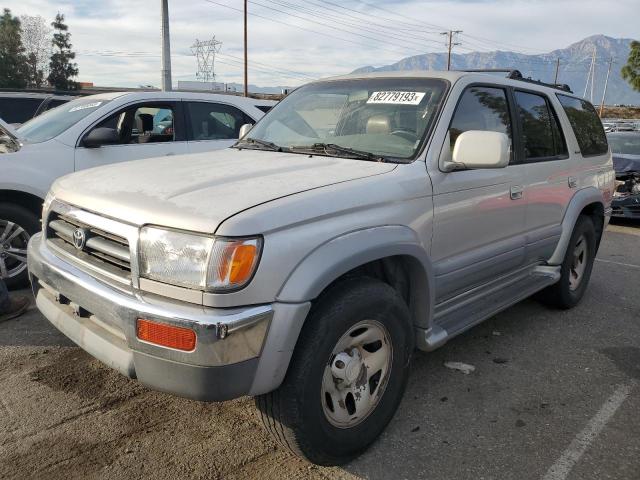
(17, 224)
(347, 374)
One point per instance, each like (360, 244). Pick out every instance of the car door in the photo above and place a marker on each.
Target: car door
(213, 125)
(548, 172)
(145, 129)
(479, 215)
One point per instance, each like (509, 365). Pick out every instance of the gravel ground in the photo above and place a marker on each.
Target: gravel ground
(542, 395)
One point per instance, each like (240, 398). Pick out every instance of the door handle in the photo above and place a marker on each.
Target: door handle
(573, 182)
(169, 154)
(516, 192)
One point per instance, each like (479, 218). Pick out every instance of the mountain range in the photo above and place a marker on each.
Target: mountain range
(575, 61)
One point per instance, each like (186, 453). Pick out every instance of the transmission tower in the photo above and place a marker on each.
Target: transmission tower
(205, 52)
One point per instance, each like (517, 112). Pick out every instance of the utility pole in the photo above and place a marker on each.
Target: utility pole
(606, 82)
(555, 80)
(590, 75)
(593, 75)
(450, 44)
(246, 76)
(166, 47)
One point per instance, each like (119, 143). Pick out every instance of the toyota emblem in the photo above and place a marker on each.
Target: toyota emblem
(79, 238)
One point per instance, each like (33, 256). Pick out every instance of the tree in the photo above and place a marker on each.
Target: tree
(61, 68)
(631, 71)
(13, 69)
(36, 38)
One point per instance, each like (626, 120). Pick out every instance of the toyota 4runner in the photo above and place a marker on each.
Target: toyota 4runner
(363, 217)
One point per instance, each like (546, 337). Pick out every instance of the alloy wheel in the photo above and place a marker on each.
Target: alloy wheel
(13, 249)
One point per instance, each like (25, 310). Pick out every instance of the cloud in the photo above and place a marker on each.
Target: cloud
(118, 42)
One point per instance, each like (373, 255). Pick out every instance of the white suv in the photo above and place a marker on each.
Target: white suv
(98, 130)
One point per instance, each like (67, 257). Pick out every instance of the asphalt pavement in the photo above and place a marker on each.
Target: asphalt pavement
(554, 395)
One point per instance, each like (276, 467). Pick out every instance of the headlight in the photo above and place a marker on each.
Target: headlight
(197, 261)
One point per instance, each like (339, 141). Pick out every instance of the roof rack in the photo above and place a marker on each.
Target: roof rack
(514, 74)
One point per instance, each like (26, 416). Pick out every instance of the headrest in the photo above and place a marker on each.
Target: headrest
(379, 124)
(146, 119)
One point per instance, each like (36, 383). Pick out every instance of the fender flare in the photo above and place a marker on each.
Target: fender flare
(581, 199)
(344, 253)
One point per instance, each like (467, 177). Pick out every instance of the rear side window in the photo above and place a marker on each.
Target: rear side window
(586, 125)
(264, 108)
(481, 108)
(542, 137)
(18, 110)
(215, 121)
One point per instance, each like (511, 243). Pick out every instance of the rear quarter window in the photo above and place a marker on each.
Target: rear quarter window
(586, 125)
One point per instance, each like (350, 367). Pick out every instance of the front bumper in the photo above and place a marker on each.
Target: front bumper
(628, 206)
(230, 358)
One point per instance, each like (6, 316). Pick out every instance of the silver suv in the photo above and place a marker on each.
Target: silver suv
(364, 216)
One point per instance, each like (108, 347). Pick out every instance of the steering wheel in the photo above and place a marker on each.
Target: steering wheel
(406, 134)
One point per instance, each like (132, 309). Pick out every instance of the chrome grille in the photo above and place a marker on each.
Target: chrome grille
(99, 249)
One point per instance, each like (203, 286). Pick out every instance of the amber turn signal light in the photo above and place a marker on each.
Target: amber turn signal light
(166, 335)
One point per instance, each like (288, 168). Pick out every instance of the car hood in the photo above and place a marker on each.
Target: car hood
(625, 163)
(198, 192)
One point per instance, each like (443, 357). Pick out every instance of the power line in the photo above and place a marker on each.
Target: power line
(355, 22)
(412, 23)
(328, 25)
(324, 34)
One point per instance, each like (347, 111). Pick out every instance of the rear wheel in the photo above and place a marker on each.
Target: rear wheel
(347, 374)
(17, 224)
(575, 271)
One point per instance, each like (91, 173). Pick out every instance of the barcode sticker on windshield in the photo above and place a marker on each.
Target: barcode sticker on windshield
(85, 106)
(396, 98)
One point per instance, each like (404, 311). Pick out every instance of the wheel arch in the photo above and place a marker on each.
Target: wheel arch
(390, 253)
(24, 199)
(588, 202)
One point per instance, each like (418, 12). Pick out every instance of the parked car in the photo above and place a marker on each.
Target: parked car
(362, 216)
(626, 161)
(98, 130)
(17, 108)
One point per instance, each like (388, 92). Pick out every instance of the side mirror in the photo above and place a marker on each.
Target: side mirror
(476, 149)
(101, 136)
(244, 129)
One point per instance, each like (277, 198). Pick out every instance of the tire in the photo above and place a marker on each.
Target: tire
(564, 294)
(294, 414)
(22, 224)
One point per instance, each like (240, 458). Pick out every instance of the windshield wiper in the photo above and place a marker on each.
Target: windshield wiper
(262, 143)
(338, 150)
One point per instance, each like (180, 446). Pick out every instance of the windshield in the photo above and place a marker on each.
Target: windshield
(625, 144)
(55, 121)
(383, 117)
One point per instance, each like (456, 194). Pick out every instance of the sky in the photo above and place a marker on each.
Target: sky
(118, 42)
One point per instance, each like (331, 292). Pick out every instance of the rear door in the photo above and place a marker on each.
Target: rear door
(549, 171)
(146, 129)
(479, 215)
(212, 125)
